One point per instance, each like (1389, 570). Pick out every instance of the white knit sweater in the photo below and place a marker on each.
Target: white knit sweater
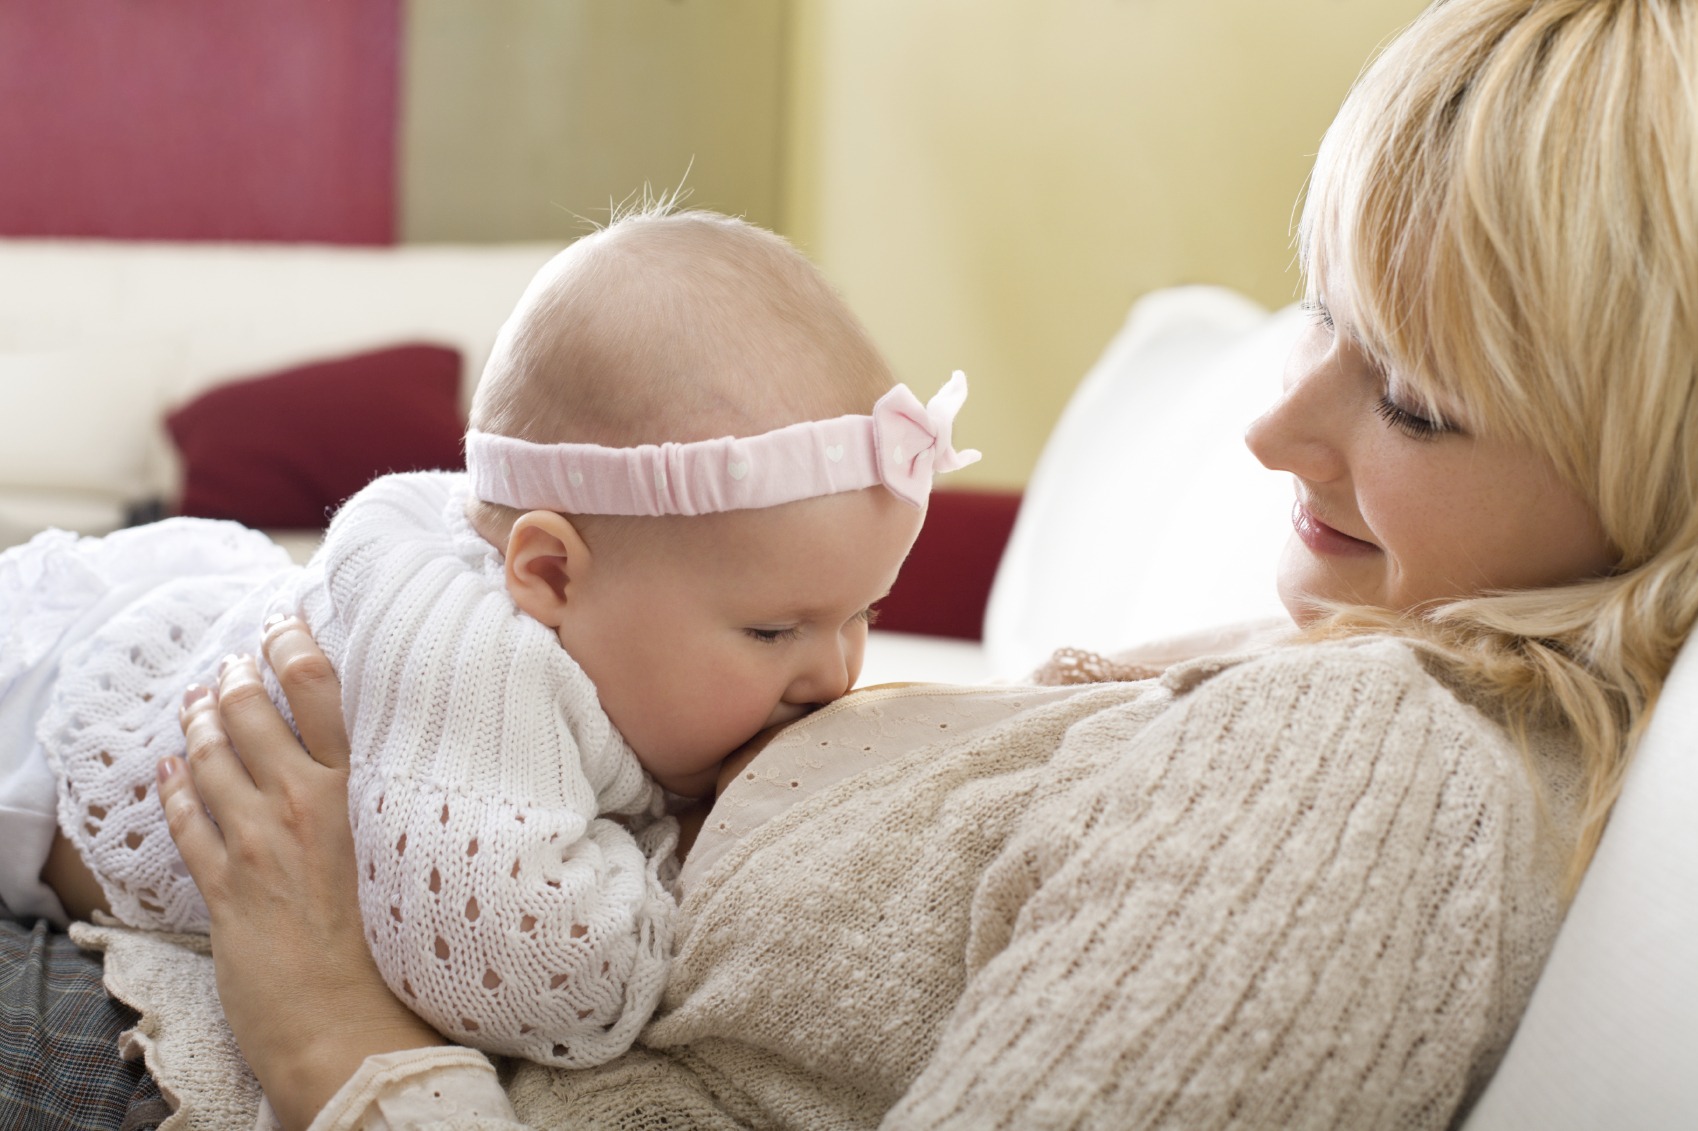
(500, 901)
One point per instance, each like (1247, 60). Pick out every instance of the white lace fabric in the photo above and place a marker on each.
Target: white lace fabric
(112, 713)
(500, 901)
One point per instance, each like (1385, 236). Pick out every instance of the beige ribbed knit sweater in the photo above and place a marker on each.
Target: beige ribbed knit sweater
(1305, 889)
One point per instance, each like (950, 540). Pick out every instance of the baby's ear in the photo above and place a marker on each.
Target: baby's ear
(545, 556)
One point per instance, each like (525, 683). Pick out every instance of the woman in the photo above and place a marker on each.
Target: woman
(1306, 884)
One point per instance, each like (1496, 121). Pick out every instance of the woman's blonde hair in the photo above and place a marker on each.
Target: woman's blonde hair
(1509, 196)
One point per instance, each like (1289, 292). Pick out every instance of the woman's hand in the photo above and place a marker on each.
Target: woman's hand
(275, 864)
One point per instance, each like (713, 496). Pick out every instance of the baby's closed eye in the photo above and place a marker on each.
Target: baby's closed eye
(773, 635)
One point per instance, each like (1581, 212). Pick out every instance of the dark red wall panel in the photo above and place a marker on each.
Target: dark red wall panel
(199, 119)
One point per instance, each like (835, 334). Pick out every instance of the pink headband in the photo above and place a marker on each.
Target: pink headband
(900, 445)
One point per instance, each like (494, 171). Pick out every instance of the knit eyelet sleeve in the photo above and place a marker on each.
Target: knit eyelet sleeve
(513, 863)
(1282, 905)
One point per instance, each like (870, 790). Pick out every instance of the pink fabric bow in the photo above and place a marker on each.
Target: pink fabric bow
(912, 440)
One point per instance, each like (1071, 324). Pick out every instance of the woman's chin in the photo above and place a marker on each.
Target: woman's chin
(1303, 613)
(1308, 585)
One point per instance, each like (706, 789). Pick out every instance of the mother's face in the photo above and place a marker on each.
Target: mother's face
(1395, 508)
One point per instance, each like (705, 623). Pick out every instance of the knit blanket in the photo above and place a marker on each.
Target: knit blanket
(1309, 888)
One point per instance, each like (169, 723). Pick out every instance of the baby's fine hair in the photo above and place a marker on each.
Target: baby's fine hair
(1509, 197)
(676, 326)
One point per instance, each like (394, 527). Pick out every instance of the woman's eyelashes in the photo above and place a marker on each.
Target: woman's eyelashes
(867, 616)
(1410, 423)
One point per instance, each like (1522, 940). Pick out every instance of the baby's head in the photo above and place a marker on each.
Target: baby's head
(699, 625)
(672, 327)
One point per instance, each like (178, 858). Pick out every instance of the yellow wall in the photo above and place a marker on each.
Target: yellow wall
(992, 182)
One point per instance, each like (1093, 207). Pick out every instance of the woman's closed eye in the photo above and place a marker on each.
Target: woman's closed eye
(1410, 423)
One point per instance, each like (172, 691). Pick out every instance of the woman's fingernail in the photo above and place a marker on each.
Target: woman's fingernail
(168, 767)
(274, 620)
(227, 661)
(193, 694)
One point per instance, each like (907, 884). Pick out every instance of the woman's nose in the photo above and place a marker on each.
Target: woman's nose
(1299, 432)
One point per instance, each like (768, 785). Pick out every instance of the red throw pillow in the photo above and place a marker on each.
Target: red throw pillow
(285, 449)
(945, 584)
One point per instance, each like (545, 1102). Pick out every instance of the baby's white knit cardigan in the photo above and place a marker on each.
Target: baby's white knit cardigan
(500, 900)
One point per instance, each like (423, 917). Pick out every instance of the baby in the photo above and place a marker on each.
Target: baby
(676, 518)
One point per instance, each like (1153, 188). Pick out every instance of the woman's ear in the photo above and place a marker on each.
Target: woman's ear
(546, 560)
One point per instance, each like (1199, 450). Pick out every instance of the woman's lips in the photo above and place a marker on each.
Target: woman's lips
(1323, 539)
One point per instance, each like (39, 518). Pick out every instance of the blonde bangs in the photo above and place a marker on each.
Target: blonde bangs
(1508, 201)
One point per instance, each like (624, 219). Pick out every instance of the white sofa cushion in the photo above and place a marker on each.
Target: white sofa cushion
(242, 309)
(83, 417)
(1610, 1038)
(1146, 516)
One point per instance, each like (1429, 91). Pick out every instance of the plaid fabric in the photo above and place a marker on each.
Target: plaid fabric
(59, 1063)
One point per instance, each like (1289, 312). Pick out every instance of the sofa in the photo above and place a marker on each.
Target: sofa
(1145, 518)
(100, 341)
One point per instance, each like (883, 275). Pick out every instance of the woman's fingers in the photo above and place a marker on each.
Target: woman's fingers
(220, 779)
(245, 722)
(198, 840)
(313, 691)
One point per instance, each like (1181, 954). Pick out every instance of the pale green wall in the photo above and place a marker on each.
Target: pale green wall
(992, 182)
(520, 116)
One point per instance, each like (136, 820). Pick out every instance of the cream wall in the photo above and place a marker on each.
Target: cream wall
(992, 182)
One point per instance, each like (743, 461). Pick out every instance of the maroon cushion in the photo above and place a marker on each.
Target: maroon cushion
(946, 581)
(285, 449)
